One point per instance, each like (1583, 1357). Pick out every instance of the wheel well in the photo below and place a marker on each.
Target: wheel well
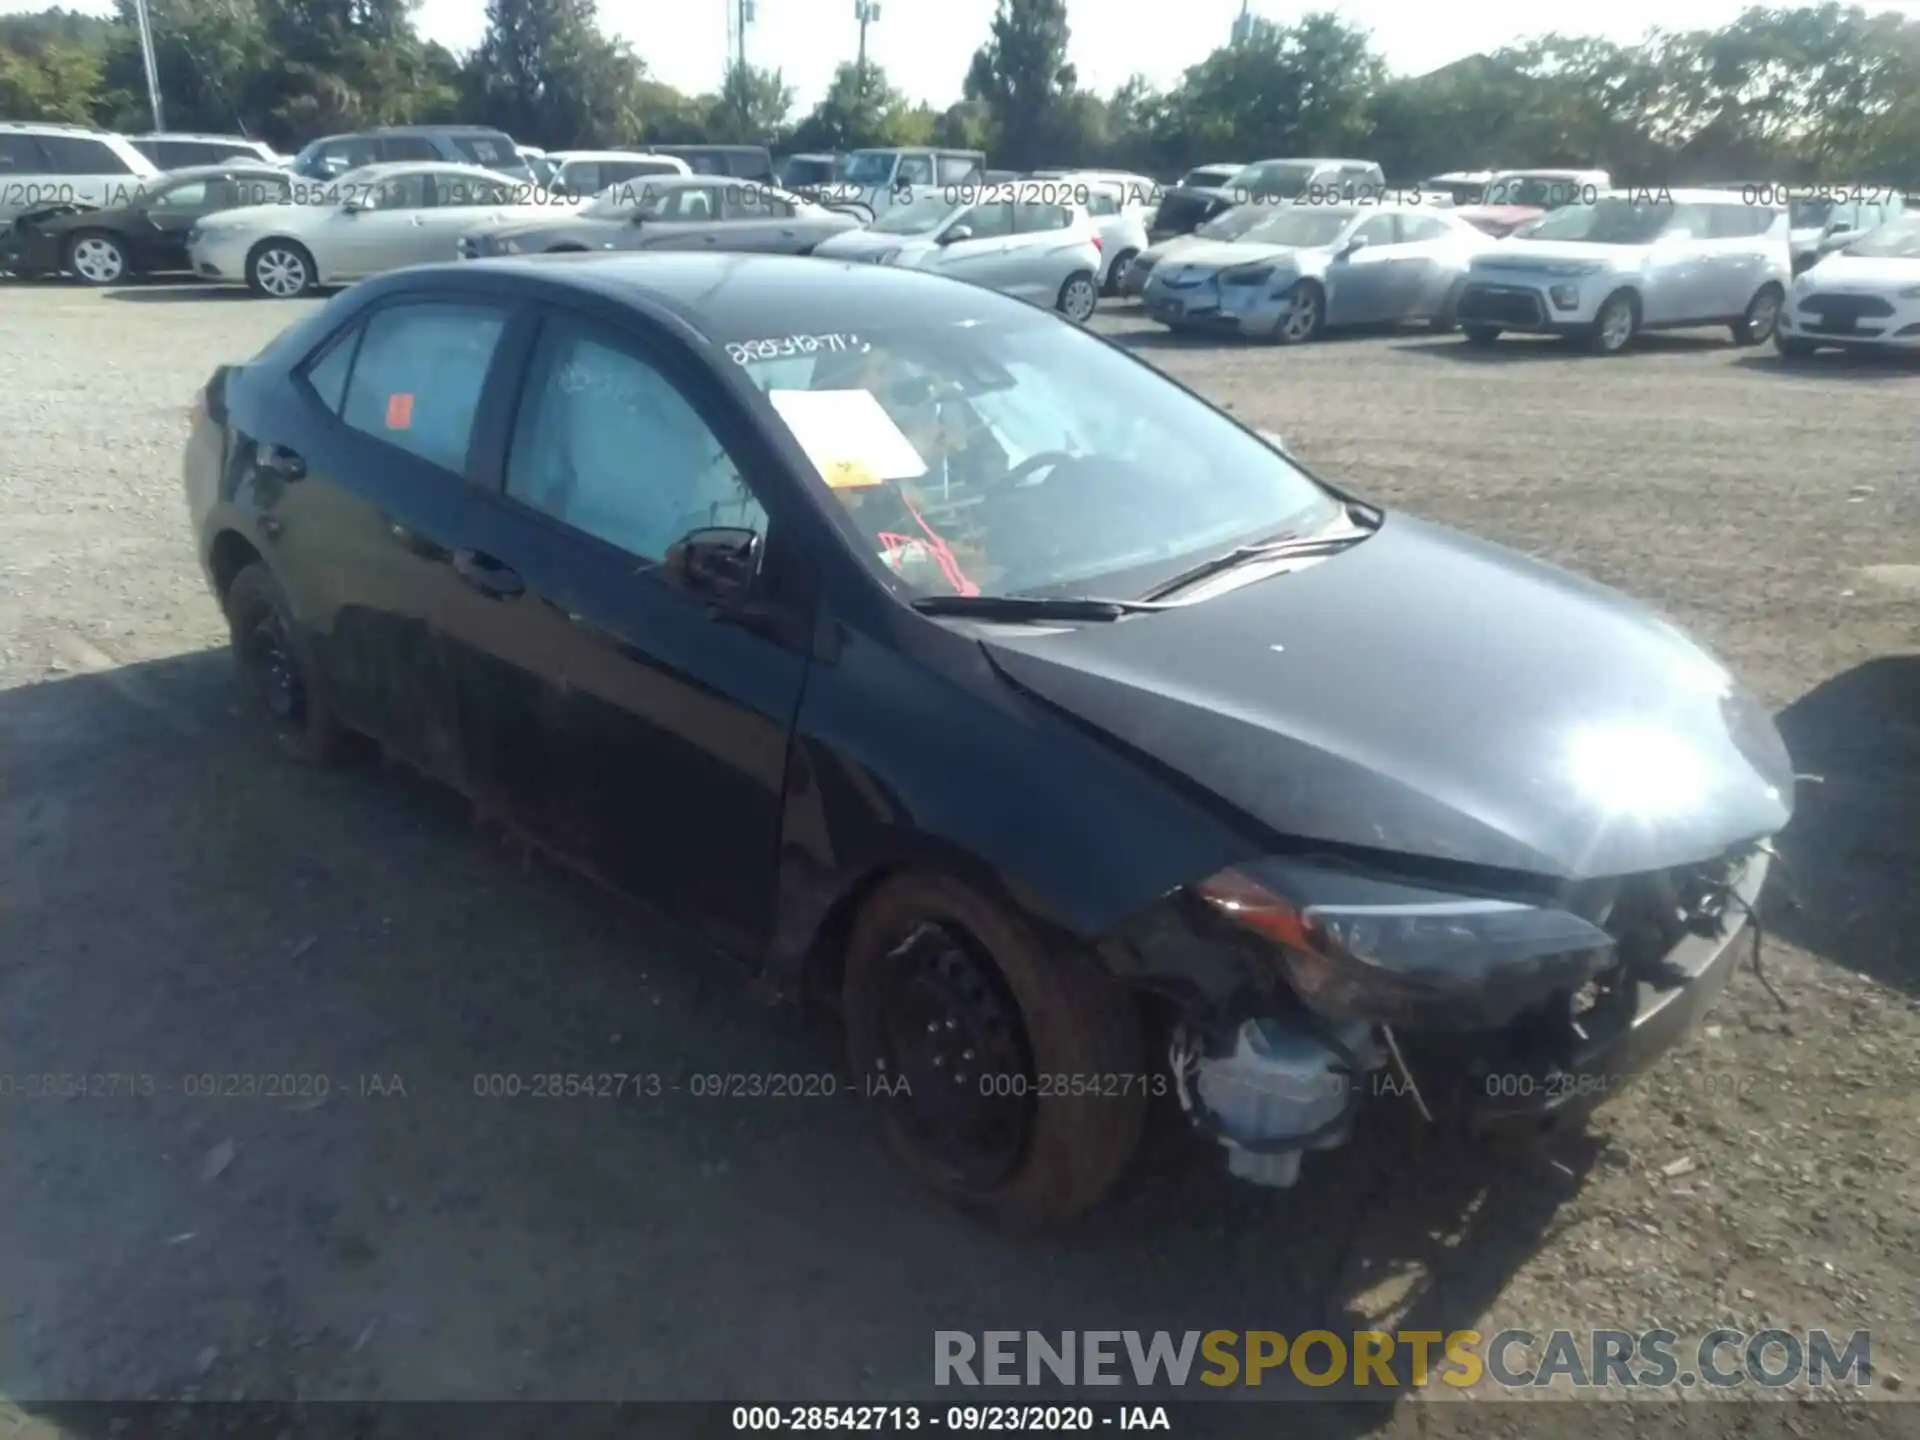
(1633, 299)
(231, 554)
(1774, 285)
(281, 240)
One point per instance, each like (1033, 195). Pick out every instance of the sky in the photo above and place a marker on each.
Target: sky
(925, 44)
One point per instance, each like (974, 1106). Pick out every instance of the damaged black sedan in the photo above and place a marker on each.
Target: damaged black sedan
(949, 665)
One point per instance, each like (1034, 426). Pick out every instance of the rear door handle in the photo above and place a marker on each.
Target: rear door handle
(279, 461)
(483, 573)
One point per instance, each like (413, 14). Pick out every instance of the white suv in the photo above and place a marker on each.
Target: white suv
(1635, 260)
(43, 165)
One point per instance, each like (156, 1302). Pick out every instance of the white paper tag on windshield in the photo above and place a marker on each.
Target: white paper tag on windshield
(850, 438)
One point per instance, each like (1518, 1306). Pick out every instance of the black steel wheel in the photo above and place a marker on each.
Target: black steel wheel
(968, 1030)
(277, 671)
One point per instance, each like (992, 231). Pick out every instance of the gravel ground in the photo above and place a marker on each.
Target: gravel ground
(175, 900)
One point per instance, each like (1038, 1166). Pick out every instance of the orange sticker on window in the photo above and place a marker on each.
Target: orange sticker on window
(848, 475)
(399, 412)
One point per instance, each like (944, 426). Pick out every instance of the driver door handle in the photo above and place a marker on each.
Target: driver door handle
(489, 577)
(281, 462)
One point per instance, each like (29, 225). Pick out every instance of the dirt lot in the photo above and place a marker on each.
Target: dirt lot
(175, 901)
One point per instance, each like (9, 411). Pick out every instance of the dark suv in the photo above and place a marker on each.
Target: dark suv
(334, 155)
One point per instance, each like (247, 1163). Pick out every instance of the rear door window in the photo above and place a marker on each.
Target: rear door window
(417, 379)
(958, 169)
(492, 151)
(750, 164)
(408, 147)
(20, 156)
(80, 155)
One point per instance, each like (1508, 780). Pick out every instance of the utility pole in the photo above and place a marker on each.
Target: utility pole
(152, 68)
(867, 12)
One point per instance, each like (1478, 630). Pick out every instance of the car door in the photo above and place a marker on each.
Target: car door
(682, 218)
(751, 218)
(379, 229)
(157, 228)
(972, 245)
(1435, 255)
(620, 716)
(360, 489)
(1361, 285)
(1043, 253)
(1737, 255)
(1682, 283)
(459, 205)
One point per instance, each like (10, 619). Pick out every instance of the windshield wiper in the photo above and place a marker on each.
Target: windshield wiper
(1033, 607)
(1285, 548)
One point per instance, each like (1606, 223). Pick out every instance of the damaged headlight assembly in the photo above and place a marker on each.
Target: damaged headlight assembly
(1363, 956)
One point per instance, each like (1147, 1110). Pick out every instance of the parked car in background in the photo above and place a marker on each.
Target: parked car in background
(1118, 218)
(1825, 217)
(876, 179)
(740, 162)
(1225, 228)
(1211, 176)
(671, 212)
(46, 165)
(1307, 269)
(387, 216)
(1636, 261)
(1141, 193)
(1461, 187)
(1186, 207)
(919, 652)
(579, 175)
(806, 173)
(173, 150)
(1513, 198)
(146, 235)
(1864, 295)
(1040, 251)
(332, 156)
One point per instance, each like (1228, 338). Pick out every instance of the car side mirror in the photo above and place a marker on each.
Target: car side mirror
(1354, 247)
(1840, 227)
(716, 562)
(351, 207)
(957, 234)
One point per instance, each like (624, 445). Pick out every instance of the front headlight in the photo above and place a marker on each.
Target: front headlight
(1363, 949)
(1255, 275)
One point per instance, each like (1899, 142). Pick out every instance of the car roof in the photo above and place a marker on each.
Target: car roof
(1552, 174)
(734, 295)
(238, 165)
(197, 135)
(426, 130)
(390, 169)
(627, 155)
(1307, 160)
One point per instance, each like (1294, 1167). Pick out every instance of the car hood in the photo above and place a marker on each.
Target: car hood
(1865, 273)
(1500, 217)
(592, 230)
(1249, 252)
(1173, 255)
(864, 244)
(1545, 254)
(1430, 694)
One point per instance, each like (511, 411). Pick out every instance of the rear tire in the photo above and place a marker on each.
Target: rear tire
(1015, 1008)
(1079, 297)
(1306, 316)
(1117, 271)
(277, 670)
(1757, 326)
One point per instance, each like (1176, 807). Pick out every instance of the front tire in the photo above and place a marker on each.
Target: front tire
(97, 258)
(1305, 317)
(281, 270)
(277, 670)
(958, 997)
(1762, 319)
(1117, 271)
(1792, 346)
(1615, 324)
(1482, 335)
(1079, 296)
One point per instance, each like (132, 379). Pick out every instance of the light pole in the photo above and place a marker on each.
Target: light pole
(867, 12)
(153, 70)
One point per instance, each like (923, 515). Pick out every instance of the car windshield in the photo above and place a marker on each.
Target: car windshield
(1235, 223)
(1277, 179)
(1896, 240)
(1541, 192)
(1023, 456)
(1304, 227)
(870, 167)
(1610, 221)
(1207, 179)
(918, 216)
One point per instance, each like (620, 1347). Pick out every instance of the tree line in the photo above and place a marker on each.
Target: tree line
(1821, 93)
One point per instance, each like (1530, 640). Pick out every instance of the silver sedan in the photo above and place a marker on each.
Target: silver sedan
(1311, 268)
